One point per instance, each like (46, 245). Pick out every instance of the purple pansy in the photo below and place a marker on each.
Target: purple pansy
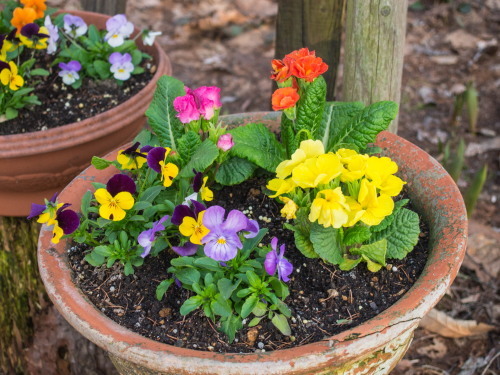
(275, 261)
(155, 156)
(121, 65)
(31, 30)
(197, 181)
(67, 220)
(147, 238)
(119, 28)
(133, 152)
(119, 183)
(252, 229)
(223, 242)
(75, 26)
(69, 71)
(37, 209)
(187, 249)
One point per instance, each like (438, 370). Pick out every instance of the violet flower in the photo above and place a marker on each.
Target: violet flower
(180, 212)
(69, 71)
(74, 26)
(147, 238)
(252, 229)
(67, 221)
(275, 261)
(156, 161)
(53, 35)
(121, 65)
(222, 242)
(37, 209)
(119, 28)
(225, 142)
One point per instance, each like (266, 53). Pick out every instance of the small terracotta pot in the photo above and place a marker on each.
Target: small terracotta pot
(373, 347)
(35, 165)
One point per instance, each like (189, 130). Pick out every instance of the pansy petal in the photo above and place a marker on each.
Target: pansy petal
(146, 149)
(197, 181)
(68, 221)
(220, 252)
(180, 212)
(36, 210)
(252, 228)
(125, 200)
(155, 155)
(197, 207)
(111, 212)
(102, 196)
(274, 243)
(236, 221)
(271, 262)
(214, 216)
(119, 183)
(285, 268)
(187, 249)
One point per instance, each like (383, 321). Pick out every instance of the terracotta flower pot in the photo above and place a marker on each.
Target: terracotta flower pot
(35, 165)
(373, 347)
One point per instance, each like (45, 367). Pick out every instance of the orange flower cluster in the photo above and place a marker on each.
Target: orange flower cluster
(33, 10)
(284, 98)
(300, 64)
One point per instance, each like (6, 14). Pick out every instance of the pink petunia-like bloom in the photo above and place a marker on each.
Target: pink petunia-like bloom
(201, 102)
(186, 108)
(225, 142)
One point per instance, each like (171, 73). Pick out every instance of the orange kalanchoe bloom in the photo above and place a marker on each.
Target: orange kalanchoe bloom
(38, 5)
(21, 17)
(284, 98)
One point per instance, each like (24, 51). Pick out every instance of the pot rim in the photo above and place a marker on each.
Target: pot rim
(447, 252)
(100, 125)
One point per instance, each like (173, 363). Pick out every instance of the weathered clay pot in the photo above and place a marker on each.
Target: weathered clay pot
(373, 347)
(35, 165)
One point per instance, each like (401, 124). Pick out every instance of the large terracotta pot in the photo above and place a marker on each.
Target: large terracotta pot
(35, 165)
(373, 347)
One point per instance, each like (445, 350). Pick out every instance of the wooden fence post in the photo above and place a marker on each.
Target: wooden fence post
(316, 24)
(110, 7)
(374, 47)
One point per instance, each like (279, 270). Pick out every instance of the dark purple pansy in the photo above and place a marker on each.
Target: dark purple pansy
(67, 220)
(31, 30)
(3, 65)
(119, 183)
(155, 155)
(132, 151)
(146, 149)
(187, 249)
(181, 211)
(197, 181)
(37, 209)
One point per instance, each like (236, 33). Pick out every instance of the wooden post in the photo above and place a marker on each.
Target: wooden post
(373, 63)
(110, 7)
(316, 24)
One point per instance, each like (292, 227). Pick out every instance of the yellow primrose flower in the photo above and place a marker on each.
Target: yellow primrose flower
(317, 171)
(354, 168)
(206, 194)
(329, 208)
(308, 149)
(280, 186)
(11, 78)
(377, 169)
(289, 209)
(194, 229)
(391, 186)
(346, 154)
(376, 207)
(113, 207)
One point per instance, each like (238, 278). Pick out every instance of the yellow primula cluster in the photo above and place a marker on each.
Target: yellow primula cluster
(340, 189)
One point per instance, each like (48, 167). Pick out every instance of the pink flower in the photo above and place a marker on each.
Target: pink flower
(186, 108)
(208, 98)
(225, 142)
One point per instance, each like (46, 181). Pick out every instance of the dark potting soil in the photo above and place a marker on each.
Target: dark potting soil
(61, 104)
(323, 300)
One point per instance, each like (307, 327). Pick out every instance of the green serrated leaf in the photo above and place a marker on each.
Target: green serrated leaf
(311, 106)
(401, 234)
(203, 157)
(234, 171)
(302, 241)
(100, 163)
(375, 251)
(187, 145)
(326, 243)
(281, 322)
(356, 235)
(256, 143)
(287, 135)
(364, 126)
(161, 113)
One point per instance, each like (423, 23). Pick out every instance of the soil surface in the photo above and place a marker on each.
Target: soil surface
(62, 105)
(324, 300)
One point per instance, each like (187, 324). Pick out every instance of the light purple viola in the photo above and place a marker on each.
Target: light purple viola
(223, 242)
(53, 35)
(119, 28)
(121, 65)
(275, 261)
(147, 238)
(74, 26)
(252, 229)
(69, 71)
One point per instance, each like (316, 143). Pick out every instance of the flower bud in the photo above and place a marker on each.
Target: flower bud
(225, 142)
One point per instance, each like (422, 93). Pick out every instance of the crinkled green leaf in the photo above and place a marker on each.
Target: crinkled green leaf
(311, 106)
(203, 157)
(356, 235)
(161, 113)
(187, 145)
(256, 143)
(234, 171)
(326, 243)
(375, 251)
(287, 136)
(302, 242)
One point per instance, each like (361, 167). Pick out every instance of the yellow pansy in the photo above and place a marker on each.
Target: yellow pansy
(206, 194)
(376, 207)
(330, 208)
(194, 229)
(57, 233)
(113, 207)
(130, 161)
(317, 171)
(280, 186)
(308, 149)
(289, 209)
(49, 217)
(11, 78)
(168, 171)
(35, 42)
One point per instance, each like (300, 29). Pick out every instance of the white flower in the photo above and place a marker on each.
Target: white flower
(74, 25)
(53, 35)
(121, 65)
(118, 30)
(148, 37)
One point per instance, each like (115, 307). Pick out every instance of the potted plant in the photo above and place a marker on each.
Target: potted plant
(332, 185)
(38, 163)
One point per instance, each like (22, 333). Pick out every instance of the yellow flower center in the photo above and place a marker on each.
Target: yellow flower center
(221, 241)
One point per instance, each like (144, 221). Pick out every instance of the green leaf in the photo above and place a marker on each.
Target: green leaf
(375, 251)
(254, 322)
(356, 235)
(259, 145)
(191, 304)
(249, 305)
(161, 113)
(208, 264)
(326, 243)
(281, 322)
(141, 205)
(182, 261)
(348, 264)
(93, 33)
(364, 126)
(221, 306)
(39, 72)
(187, 145)
(226, 287)
(94, 259)
(87, 197)
(260, 309)
(302, 241)
(100, 163)
(253, 279)
(230, 325)
(102, 68)
(11, 113)
(251, 243)
(102, 250)
(128, 269)
(287, 135)
(311, 106)
(401, 234)
(188, 275)
(203, 157)
(234, 171)
(336, 115)
(136, 57)
(151, 193)
(22, 91)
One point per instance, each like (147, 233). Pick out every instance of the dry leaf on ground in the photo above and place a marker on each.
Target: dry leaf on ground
(437, 349)
(444, 325)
